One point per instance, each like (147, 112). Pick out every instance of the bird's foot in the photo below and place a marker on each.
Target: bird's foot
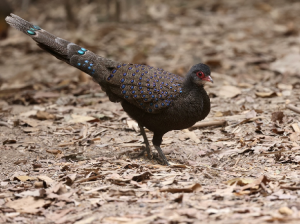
(157, 156)
(142, 153)
(162, 155)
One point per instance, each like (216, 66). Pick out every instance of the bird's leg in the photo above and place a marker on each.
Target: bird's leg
(157, 139)
(161, 154)
(147, 148)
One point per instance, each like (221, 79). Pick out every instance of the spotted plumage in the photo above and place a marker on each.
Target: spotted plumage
(145, 87)
(155, 98)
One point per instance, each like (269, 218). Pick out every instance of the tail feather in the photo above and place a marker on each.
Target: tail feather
(97, 67)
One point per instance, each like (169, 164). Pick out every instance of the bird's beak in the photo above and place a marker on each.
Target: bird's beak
(208, 79)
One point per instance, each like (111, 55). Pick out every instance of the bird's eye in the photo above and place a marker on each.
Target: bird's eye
(200, 74)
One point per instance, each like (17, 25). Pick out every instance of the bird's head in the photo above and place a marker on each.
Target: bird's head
(200, 73)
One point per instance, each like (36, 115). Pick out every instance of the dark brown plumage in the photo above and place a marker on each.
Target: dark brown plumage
(156, 99)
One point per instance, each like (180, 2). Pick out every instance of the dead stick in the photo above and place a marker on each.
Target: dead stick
(263, 186)
(2, 123)
(208, 123)
(237, 161)
(290, 187)
(88, 179)
(293, 108)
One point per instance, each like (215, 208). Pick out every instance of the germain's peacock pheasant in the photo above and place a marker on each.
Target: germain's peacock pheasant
(156, 99)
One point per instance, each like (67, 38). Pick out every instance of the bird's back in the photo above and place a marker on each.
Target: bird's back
(149, 89)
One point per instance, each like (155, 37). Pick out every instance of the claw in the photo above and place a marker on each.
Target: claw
(142, 153)
(162, 155)
(147, 148)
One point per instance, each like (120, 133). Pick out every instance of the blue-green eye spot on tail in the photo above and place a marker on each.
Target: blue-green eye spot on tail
(37, 27)
(82, 51)
(30, 32)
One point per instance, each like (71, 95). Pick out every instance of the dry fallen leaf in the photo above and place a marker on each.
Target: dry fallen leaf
(240, 181)
(27, 205)
(255, 183)
(54, 151)
(188, 189)
(277, 116)
(133, 125)
(285, 211)
(295, 136)
(296, 127)
(30, 129)
(25, 178)
(79, 118)
(39, 95)
(93, 183)
(47, 180)
(265, 94)
(70, 179)
(30, 122)
(43, 115)
(142, 176)
(191, 135)
(36, 193)
(34, 123)
(229, 91)
(288, 64)
(284, 86)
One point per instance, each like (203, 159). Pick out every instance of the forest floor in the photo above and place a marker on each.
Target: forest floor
(68, 153)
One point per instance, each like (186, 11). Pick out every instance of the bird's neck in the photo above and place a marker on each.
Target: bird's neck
(197, 96)
(189, 85)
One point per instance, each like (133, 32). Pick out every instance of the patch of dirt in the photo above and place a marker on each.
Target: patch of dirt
(68, 154)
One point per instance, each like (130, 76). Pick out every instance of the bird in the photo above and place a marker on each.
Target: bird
(156, 99)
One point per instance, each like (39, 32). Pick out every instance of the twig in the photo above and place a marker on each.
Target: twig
(88, 179)
(290, 187)
(207, 175)
(2, 123)
(265, 188)
(246, 121)
(208, 123)
(213, 168)
(293, 108)
(237, 161)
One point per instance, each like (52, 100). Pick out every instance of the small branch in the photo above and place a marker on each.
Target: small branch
(237, 161)
(88, 179)
(208, 123)
(2, 123)
(290, 187)
(293, 108)
(263, 186)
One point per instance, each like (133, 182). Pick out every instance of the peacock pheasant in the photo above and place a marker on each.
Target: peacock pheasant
(156, 99)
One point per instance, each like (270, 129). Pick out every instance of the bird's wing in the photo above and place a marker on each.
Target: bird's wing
(148, 88)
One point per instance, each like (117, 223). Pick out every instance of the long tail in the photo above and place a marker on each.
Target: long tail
(85, 60)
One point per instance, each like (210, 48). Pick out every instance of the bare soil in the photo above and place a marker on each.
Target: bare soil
(68, 154)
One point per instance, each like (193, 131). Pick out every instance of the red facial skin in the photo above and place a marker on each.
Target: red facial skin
(202, 76)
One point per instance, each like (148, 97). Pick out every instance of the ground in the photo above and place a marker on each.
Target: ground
(68, 154)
